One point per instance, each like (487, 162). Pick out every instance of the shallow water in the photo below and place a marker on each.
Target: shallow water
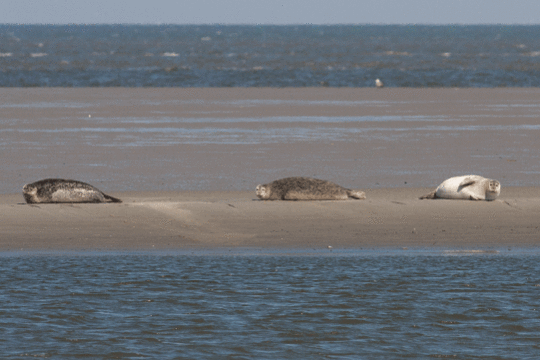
(164, 152)
(376, 304)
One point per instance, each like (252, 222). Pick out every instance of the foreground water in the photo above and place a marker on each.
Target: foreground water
(276, 56)
(343, 305)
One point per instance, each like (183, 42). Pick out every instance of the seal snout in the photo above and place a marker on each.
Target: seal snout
(494, 185)
(260, 191)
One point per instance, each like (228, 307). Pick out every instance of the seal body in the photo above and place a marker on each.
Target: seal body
(63, 191)
(304, 188)
(467, 187)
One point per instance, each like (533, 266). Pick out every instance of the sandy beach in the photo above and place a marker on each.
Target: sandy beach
(186, 162)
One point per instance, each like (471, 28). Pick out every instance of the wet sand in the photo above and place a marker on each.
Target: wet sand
(209, 220)
(186, 162)
(234, 139)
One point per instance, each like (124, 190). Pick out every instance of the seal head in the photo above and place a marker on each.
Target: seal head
(30, 193)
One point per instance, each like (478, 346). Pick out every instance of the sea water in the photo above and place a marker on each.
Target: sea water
(336, 304)
(275, 56)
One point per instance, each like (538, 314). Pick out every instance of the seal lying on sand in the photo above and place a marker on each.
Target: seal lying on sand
(303, 188)
(63, 191)
(469, 187)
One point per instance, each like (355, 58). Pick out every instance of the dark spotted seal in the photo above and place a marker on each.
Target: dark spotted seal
(468, 187)
(64, 191)
(303, 188)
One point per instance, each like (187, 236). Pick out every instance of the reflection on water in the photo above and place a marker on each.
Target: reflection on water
(273, 306)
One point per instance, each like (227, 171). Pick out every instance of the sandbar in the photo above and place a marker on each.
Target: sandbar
(186, 162)
(392, 217)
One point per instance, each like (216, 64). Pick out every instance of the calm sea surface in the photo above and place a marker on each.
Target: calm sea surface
(346, 305)
(277, 56)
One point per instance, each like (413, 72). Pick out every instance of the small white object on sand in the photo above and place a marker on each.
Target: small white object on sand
(379, 83)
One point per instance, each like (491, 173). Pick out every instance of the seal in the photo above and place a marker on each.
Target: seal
(468, 187)
(64, 191)
(304, 188)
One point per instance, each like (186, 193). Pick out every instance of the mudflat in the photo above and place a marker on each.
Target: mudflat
(156, 139)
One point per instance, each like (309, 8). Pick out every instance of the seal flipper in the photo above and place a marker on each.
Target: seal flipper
(113, 199)
(466, 182)
(431, 195)
(356, 194)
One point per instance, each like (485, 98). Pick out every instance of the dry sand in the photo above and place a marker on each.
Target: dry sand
(204, 220)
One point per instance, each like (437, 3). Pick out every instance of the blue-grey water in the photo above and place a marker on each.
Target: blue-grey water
(343, 305)
(276, 56)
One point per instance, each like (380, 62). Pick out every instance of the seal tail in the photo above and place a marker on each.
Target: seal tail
(431, 195)
(113, 199)
(357, 194)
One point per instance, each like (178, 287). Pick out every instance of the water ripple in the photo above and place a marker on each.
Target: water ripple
(267, 307)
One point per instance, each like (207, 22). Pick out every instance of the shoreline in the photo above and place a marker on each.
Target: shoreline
(389, 218)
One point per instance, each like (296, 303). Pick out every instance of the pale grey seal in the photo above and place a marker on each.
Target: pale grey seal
(304, 188)
(63, 191)
(468, 187)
